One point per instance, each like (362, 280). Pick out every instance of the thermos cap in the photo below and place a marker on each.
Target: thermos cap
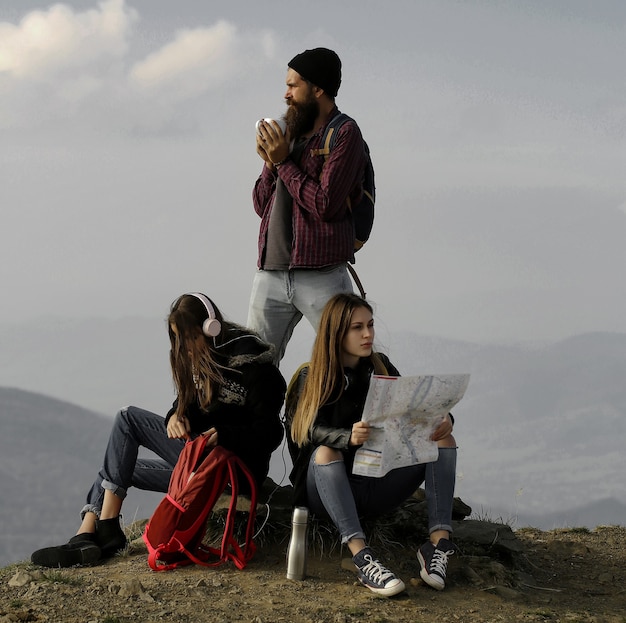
(300, 514)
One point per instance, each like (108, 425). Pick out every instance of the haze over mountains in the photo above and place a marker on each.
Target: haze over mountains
(50, 452)
(540, 429)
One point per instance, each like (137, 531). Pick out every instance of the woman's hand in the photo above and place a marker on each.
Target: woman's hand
(212, 435)
(360, 433)
(443, 430)
(178, 427)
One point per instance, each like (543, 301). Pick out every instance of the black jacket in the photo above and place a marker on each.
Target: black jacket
(333, 424)
(246, 413)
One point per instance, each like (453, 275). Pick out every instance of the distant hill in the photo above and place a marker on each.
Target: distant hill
(50, 452)
(98, 364)
(541, 428)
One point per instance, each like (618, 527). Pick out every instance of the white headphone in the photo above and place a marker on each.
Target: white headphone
(211, 327)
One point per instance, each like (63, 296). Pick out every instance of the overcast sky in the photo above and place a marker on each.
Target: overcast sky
(497, 131)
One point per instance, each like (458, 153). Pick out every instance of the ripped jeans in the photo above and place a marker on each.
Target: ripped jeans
(343, 497)
(132, 429)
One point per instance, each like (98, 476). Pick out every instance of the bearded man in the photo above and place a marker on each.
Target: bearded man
(303, 198)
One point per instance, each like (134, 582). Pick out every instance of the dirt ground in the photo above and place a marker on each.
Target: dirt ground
(568, 576)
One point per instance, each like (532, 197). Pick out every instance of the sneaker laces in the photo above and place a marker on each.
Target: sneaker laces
(439, 561)
(375, 570)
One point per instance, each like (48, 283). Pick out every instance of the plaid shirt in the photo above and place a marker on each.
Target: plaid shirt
(323, 230)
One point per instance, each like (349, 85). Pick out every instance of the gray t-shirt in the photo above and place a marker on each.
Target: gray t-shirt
(280, 227)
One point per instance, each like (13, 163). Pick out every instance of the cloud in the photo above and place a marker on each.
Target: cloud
(200, 59)
(48, 43)
(191, 67)
(204, 53)
(60, 66)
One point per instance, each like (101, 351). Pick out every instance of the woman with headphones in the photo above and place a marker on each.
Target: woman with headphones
(227, 389)
(324, 430)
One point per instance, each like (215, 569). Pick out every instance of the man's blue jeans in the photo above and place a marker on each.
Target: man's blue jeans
(343, 497)
(132, 428)
(280, 298)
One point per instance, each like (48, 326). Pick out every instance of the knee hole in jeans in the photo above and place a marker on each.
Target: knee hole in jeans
(335, 455)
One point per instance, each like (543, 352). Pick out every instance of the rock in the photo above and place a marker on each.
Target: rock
(131, 588)
(497, 571)
(21, 578)
(485, 537)
(145, 596)
(470, 575)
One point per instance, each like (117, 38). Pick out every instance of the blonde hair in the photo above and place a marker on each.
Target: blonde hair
(325, 378)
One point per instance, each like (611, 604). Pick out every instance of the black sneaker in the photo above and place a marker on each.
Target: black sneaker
(374, 575)
(79, 550)
(434, 562)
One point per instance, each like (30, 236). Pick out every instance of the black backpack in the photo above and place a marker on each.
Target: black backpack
(363, 212)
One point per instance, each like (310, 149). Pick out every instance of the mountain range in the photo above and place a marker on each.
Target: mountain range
(50, 452)
(540, 427)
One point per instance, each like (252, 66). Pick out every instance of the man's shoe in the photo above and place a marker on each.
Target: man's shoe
(110, 536)
(374, 575)
(79, 550)
(434, 562)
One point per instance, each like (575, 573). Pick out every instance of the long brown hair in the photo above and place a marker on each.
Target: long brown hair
(195, 370)
(325, 378)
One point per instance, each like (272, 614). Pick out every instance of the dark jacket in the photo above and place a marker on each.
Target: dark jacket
(333, 424)
(246, 413)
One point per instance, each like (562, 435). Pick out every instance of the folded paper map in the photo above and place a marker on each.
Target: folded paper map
(403, 412)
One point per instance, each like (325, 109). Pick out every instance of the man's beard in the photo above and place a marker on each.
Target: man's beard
(300, 118)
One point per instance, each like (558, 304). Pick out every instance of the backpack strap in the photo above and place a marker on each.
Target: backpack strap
(231, 550)
(293, 392)
(328, 142)
(357, 281)
(329, 137)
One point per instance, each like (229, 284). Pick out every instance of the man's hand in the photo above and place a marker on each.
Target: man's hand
(260, 149)
(271, 144)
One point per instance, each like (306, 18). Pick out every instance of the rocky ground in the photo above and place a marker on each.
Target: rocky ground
(569, 575)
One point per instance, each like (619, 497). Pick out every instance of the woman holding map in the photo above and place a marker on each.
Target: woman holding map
(325, 428)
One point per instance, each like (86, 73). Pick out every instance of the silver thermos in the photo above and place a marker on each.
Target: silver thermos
(298, 544)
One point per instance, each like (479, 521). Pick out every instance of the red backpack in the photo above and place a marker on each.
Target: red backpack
(174, 534)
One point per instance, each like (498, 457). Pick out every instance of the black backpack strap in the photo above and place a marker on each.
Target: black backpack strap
(330, 135)
(363, 224)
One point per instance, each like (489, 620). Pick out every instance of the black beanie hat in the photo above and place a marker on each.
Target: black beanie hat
(320, 66)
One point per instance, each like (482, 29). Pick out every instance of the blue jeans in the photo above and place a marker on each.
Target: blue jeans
(343, 497)
(280, 298)
(132, 428)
